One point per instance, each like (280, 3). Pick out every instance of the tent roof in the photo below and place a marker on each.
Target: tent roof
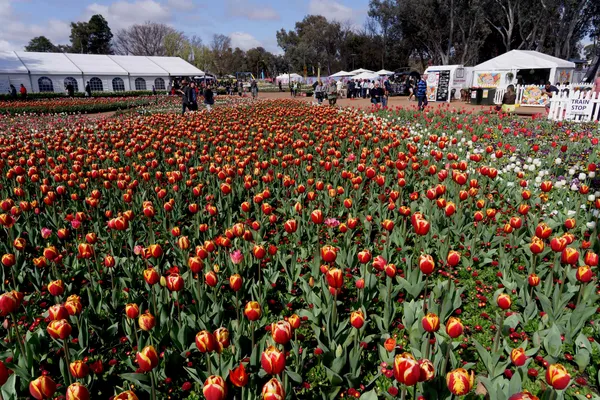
(94, 64)
(48, 63)
(522, 59)
(139, 66)
(384, 72)
(176, 66)
(366, 75)
(360, 71)
(341, 74)
(10, 63)
(21, 62)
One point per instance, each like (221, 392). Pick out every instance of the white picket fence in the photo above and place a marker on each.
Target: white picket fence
(520, 90)
(578, 106)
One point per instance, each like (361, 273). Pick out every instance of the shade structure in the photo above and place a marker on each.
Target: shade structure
(370, 76)
(176, 66)
(47, 63)
(360, 71)
(94, 64)
(384, 72)
(288, 77)
(139, 66)
(523, 59)
(342, 74)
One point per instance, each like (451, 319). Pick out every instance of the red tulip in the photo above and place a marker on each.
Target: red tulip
(431, 323)
(221, 336)
(459, 381)
(406, 369)
(281, 332)
(591, 259)
(214, 388)
(146, 322)
(252, 311)
(272, 361)
(79, 369)
(364, 256)
(518, 357)
(533, 280)
(453, 258)
(357, 319)
(335, 278)
(77, 391)
(584, 274)
(427, 370)
(557, 377)
(59, 329)
(504, 301)
(42, 387)
(328, 253)
(238, 376)
(569, 256)
(454, 327)
(205, 342)
(273, 390)
(426, 264)
(147, 359)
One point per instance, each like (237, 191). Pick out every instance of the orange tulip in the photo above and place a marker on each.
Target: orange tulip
(238, 376)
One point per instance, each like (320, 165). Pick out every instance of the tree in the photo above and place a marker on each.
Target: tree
(41, 44)
(92, 37)
(222, 54)
(146, 39)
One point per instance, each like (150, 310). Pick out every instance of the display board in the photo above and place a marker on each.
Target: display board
(488, 79)
(443, 86)
(432, 82)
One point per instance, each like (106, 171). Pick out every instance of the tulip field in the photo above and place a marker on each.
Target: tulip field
(278, 250)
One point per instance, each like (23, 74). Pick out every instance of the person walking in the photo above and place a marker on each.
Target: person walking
(13, 92)
(339, 85)
(319, 92)
(70, 90)
(209, 98)
(186, 97)
(254, 89)
(332, 93)
(88, 89)
(240, 88)
(422, 93)
(23, 92)
(194, 92)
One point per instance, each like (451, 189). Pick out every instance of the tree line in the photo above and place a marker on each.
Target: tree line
(396, 34)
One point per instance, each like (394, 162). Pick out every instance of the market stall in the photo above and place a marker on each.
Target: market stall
(445, 82)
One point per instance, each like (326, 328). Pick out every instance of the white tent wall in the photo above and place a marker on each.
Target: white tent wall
(14, 79)
(149, 80)
(107, 82)
(58, 82)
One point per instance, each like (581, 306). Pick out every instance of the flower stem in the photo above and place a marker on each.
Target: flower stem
(66, 348)
(499, 333)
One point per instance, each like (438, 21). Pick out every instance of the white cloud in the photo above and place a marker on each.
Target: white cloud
(243, 40)
(332, 10)
(122, 14)
(183, 5)
(248, 10)
(5, 46)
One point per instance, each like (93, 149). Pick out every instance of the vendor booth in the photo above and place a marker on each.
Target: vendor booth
(286, 78)
(445, 82)
(522, 67)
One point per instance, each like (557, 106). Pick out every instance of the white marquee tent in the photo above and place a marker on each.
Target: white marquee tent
(371, 76)
(495, 72)
(51, 72)
(341, 74)
(360, 71)
(285, 78)
(384, 72)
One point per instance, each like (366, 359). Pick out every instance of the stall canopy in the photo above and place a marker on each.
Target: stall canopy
(360, 71)
(287, 77)
(523, 59)
(366, 75)
(384, 72)
(342, 74)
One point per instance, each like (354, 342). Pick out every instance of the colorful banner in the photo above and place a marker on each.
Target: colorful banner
(488, 79)
(564, 76)
(534, 96)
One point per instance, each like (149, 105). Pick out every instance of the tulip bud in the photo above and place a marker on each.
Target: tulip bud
(390, 344)
(454, 327)
(175, 283)
(335, 278)
(151, 276)
(59, 329)
(195, 264)
(426, 264)
(364, 256)
(406, 369)
(3, 373)
(221, 336)
(272, 361)
(281, 332)
(533, 280)
(294, 321)
(127, 395)
(453, 258)
(205, 342)
(518, 357)
(79, 369)
(427, 370)
(591, 259)
(557, 377)
(537, 245)
(56, 288)
(58, 312)
(42, 388)
(215, 388)
(431, 323)
(569, 256)
(211, 278)
(77, 391)
(8, 260)
(273, 390)
(132, 310)
(328, 253)
(147, 359)
(317, 216)
(357, 319)
(459, 381)
(73, 305)
(146, 321)
(584, 274)
(235, 282)
(252, 311)
(504, 301)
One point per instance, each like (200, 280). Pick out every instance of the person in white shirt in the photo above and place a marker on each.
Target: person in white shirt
(339, 86)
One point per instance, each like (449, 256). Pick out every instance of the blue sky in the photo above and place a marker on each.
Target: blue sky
(249, 23)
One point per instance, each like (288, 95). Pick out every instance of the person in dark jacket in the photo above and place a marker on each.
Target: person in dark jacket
(209, 98)
(88, 89)
(186, 97)
(422, 93)
(13, 92)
